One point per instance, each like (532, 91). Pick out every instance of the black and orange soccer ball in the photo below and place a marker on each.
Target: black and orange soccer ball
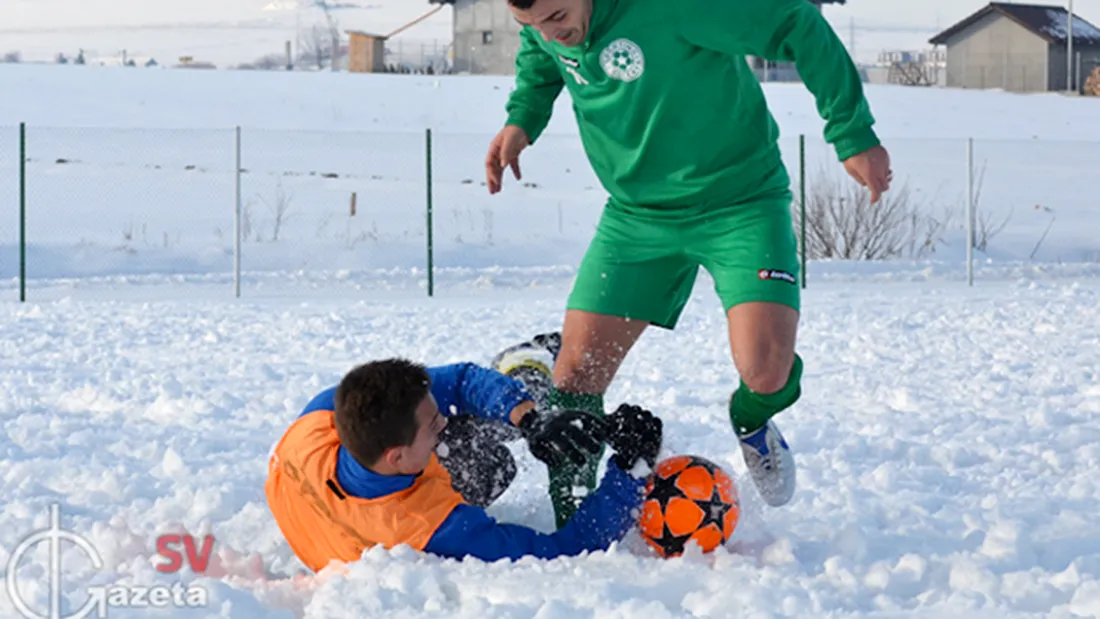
(688, 499)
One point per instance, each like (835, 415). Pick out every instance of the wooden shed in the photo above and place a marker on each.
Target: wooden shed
(366, 52)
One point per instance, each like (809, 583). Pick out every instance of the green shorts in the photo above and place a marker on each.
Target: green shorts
(642, 264)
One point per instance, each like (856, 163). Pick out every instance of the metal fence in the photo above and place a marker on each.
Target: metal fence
(242, 212)
(434, 56)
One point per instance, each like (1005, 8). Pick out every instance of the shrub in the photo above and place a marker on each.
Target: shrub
(842, 224)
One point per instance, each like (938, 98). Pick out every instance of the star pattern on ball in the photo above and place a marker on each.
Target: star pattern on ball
(672, 544)
(664, 490)
(714, 510)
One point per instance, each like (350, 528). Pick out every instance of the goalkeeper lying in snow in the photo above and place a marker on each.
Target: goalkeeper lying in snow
(402, 454)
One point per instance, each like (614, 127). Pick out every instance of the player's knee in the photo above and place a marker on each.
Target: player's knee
(768, 376)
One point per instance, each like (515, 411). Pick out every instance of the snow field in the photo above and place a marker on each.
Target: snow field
(919, 492)
(946, 436)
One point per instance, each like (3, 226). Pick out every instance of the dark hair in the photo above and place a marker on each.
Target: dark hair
(376, 407)
(522, 5)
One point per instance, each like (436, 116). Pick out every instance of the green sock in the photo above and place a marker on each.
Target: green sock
(565, 477)
(751, 411)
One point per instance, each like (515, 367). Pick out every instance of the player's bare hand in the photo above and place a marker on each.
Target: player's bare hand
(871, 168)
(504, 153)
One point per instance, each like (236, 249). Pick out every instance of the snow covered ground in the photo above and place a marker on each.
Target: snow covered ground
(947, 437)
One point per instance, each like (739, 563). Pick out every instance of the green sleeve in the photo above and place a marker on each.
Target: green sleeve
(790, 30)
(538, 83)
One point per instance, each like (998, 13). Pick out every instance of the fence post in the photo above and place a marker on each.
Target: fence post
(970, 211)
(22, 212)
(237, 220)
(802, 199)
(431, 260)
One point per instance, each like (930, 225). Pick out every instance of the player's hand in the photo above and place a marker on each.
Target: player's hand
(871, 168)
(634, 433)
(570, 435)
(503, 153)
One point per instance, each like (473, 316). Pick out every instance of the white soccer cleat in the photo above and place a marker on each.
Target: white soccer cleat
(532, 363)
(770, 463)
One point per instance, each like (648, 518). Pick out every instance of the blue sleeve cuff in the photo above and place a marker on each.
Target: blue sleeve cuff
(626, 487)
(469, 389)
(509, 397)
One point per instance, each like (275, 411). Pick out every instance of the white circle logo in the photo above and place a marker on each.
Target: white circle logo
(623, 60)
(54, 535)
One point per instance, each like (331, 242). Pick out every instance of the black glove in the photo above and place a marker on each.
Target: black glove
(634, 433)
(555, 437)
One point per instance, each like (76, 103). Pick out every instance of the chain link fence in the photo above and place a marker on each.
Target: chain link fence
(125, 213)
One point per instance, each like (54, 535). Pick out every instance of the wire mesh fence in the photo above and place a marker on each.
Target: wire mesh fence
(110, 209)
(331, 201)
(107, 205)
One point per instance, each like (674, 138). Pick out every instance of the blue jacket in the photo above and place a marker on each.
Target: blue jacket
(465, 388)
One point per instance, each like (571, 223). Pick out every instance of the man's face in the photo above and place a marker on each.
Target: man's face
(429, 422)
(564, 21)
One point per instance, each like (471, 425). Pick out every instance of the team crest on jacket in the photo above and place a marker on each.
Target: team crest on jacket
(623, 60)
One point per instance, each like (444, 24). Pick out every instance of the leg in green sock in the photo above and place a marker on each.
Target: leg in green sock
(767, 455)
(750, 411)
(564, 478)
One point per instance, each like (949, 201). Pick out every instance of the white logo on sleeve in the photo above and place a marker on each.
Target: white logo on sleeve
(623, 60)
(577, 76)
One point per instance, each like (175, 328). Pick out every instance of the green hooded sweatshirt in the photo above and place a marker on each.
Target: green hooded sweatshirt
(670, 114)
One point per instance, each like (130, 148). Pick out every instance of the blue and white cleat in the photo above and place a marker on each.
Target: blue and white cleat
(770, 463)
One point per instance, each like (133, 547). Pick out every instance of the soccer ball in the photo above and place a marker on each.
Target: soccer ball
(688, 499)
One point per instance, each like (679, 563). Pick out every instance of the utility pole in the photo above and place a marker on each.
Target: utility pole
(1069, 50)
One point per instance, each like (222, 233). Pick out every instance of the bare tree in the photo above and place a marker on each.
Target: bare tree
(841, 223)
(984, 227)
(320, 45)
(334, 33)
(279, 211)
(1053, 218)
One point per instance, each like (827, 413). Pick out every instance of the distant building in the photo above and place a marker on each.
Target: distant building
(486, 39)
(366, 52)
(1018, 48)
